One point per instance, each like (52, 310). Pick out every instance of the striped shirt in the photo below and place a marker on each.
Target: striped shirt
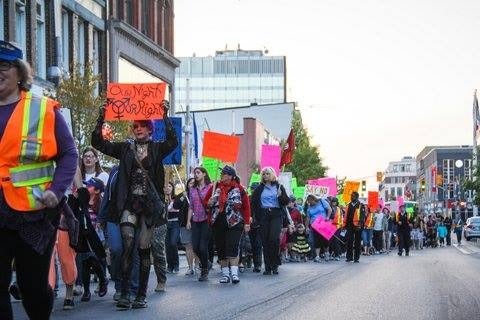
(196, 204)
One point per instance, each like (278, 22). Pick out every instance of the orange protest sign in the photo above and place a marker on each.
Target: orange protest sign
(220, 146)
(135, 101)
(373, 200)
(350, 187)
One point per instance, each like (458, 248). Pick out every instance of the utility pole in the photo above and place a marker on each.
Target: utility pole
(187, 130)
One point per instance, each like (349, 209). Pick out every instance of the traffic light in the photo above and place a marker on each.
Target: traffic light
(364, 185)
(422, 185)
(379, 176)
(439, 180)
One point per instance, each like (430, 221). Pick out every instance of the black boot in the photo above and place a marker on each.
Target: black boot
(203, 274)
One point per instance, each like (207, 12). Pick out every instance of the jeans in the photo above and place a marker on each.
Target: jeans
(171, 243)
(200, 237)
(367, 237)
(113, 239)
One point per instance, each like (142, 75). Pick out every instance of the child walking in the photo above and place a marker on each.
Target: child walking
(300, 248)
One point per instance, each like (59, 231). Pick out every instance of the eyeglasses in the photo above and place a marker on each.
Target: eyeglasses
(6, 65)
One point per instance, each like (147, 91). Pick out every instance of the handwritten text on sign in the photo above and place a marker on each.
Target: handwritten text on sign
(135, 101)
(220, 146)
(318, 191)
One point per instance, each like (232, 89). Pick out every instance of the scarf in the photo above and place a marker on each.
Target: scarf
(224, 188)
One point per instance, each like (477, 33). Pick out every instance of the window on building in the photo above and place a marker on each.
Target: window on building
(119, 4)
(408, 168)
(402, 168)
(96, 55)
(146, 18)
(65, 41)
(448, 171)
(2, 19)
(20, 24)
(41, 51)
(129, 12)
(395, 168)
(392, 191)
(467, 167)
(81, 43)
(399, 192)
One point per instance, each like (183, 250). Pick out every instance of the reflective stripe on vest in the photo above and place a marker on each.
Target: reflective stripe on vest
(32, 174)
(32, 128)
(338, 219)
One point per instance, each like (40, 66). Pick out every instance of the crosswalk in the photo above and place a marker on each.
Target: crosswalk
(467, 248)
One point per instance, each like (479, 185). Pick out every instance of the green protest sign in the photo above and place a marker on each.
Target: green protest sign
(294, 183)
(255, 177)
(298, 192)
(212, 166)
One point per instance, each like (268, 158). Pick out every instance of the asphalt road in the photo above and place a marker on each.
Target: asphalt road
(441, 283)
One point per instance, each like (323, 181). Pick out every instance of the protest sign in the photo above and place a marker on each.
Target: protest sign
(299, 192)
(212, 166)
(294, 183)
(285, 179)
(324, 228)
(159, 134)
(350, 187)
(400, 201)
(220, 146)
(271, 155)
(317, 191)
(135, 101)
(373, 200)
(328, 182)
(255, 177)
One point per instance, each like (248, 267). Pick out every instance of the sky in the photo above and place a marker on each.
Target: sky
(375, 80)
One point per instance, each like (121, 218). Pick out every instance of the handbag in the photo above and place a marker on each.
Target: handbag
(158, 206)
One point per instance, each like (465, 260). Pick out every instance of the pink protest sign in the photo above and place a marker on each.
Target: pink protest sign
(328, 182)
(324, 228)
(400, 201)
(271, 155)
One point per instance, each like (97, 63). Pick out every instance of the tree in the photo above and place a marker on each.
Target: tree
(473, 184)
(78, 92)
(307, 163)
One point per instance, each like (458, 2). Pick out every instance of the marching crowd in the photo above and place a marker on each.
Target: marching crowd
(61, 215)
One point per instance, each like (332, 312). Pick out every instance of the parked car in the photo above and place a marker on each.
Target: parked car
(472, 228)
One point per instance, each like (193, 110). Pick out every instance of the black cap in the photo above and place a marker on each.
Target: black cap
(96, 183)
(229, 170)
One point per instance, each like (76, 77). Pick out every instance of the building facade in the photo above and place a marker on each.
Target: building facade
(399, 180)
(441, 171)
(55, 35)
(229, 79)
(141, 34)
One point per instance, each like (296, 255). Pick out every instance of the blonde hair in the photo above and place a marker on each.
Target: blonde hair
(271, 172)
(25, 73)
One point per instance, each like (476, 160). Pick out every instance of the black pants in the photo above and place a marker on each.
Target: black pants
(403, 241)
(227, 239)
(270, 227)
(335, 244)
(171, 245)
(32, 276)
(449, 239)
(98, 267)
(354, 238)
(378, 240)
(200, 238)
(256, 241)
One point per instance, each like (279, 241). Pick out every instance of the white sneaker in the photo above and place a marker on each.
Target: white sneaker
(317, 259)
(77, 290)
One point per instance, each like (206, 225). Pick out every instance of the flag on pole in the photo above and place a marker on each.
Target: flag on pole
(287, 152)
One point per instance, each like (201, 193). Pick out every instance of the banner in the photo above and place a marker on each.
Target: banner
(255, 177)
(285, 179)
(350, 186)
(329, 183)
(324, 228)
(220, 146)
(299, 192)
(373, 201)
(159, 134)
(271, 155)
(135, 101)
(212, 166)
(317, 191)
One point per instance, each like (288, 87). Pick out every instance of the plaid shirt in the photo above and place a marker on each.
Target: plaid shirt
(196, 204)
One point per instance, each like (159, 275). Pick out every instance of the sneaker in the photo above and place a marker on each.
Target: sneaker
(161, 287)
(116, 296)
(256, 269)
(68, 304)
(77, 290)
(203, 275)
(190, 272)
(356, 261)
(175, 271)
(15, 292)
(225, 279)
(267, 272)
(317, 259)
(235, 279)
(86, 296)
(337, 259)
(139, 302)
(275, 270)
(123, 303)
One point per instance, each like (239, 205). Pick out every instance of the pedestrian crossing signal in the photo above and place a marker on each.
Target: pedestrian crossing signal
(422, 185)
(364, 185)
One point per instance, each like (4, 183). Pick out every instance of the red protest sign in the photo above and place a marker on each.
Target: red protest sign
(220, 146)
(373, 201)
(135, 101)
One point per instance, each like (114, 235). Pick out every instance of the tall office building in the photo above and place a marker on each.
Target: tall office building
(229, 79)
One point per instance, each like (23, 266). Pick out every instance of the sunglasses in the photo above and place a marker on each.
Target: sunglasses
(6, 65)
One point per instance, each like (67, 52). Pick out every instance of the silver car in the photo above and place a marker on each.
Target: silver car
(472, 228)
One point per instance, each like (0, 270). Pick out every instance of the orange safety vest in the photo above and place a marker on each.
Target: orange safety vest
(27, 149)
(357, 221)
(369, 221)
(338, 218)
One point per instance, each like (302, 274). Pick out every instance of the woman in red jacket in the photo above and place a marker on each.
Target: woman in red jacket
(230, 216)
